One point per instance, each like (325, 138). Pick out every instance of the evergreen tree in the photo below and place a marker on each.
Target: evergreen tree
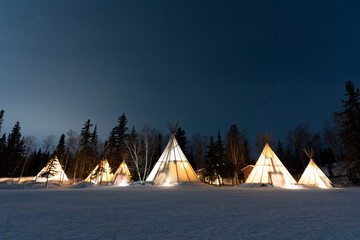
(220, 152)
(94, 147)
(110, 146)
(122, 135)
(50, 170)
(198, 146)
(13, 152)
(215, 159)
(84, 156)
(350, 130)
(98, 173)
(85, 137)
(38, 162)
(116, 144)
(2, 150)
(1, 118)
(210, 159)
(158, 149)
(94, 139)
(181, 139)
(60, 149)
(2, 140)
(234, 153)
(280, 150)
(29, 170)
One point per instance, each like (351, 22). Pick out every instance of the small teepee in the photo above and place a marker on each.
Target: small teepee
(101, 173)
(172, 166)
(122, 175)
(313, 176)
(269, 165)
(52, 172)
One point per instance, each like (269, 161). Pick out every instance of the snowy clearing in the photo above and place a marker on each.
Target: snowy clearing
(150, 212)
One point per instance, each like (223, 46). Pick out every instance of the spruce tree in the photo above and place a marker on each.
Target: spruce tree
(85, 136)
(220, 152)
(280, 153)
(215, 159)
(110, 146)
(13, 152)
(116, 144)
(210, 159)
(181, 139)
(94, 139)
(85, 150)
(60, 149)
(350, 130)
(233, 152)
(94, 147)
(122, 135)
(1, 118)
(2, 150)
(50, 170)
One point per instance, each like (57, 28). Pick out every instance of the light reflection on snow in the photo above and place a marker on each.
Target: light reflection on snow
(292, 186)
(167, 183)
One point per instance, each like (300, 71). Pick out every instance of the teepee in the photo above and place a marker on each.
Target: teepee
(268, 166)
(122, 175)
(172, 166)
(52, 172)
(101, 173)
(313, 176)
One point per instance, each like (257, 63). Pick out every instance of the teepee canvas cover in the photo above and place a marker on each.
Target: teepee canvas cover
(267, 163)
(101, 173)
(58, 172)
(122, 175)
(172, 166)
(313, 176)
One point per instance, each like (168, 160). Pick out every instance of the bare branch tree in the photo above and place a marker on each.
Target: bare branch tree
(49, 144)
(199, 146)
(30, 147)
(333, 141)
(133, 147)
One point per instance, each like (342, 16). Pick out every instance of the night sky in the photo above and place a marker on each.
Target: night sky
(264, 65)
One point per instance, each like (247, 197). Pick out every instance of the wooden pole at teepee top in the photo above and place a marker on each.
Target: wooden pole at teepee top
(309, 153)
(265, 137)
(173, 126)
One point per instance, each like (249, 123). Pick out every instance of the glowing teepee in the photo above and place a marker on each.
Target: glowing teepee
(172, 166)
(313, 176)
(101, 173)
(267, 164)
(122, 175)
(56, 173)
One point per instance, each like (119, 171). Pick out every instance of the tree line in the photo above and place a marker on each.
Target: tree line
(216, 157)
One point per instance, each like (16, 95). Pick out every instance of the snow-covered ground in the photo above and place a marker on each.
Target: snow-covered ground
(150, 212)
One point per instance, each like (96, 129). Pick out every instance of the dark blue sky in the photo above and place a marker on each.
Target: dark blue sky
(264, 65)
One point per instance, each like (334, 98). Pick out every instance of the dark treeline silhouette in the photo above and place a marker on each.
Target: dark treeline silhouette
(214, 157)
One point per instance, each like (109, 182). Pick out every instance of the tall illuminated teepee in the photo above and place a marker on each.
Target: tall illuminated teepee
(172, 166)
(267, 164)
(122, 175)
(313, 176)
(101, 173)
(56, 173)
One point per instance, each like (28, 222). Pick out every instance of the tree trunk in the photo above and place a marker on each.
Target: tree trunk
(22, 171)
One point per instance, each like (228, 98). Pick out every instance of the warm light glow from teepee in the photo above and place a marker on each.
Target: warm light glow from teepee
(123, 183)
(292, 186)
(167, 183)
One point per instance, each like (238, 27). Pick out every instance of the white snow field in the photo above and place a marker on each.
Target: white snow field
(182, 212)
